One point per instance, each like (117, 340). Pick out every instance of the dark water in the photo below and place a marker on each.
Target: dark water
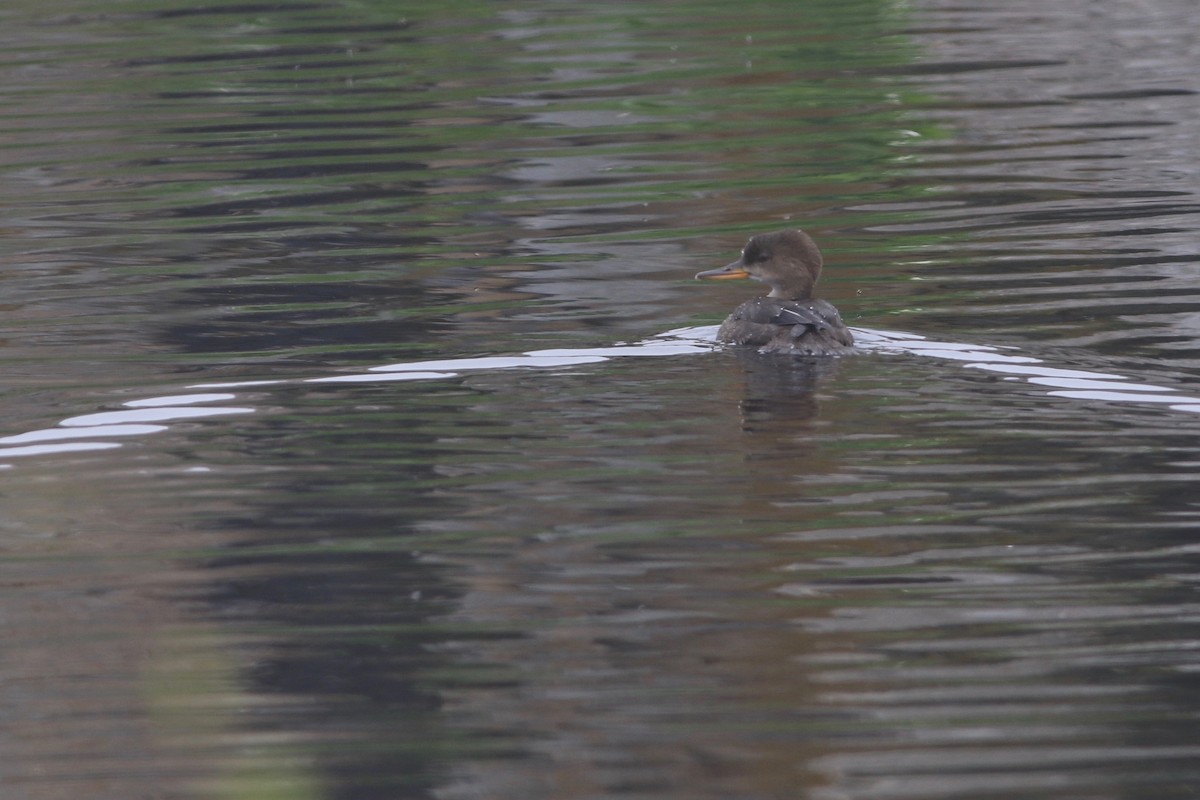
(921, 572)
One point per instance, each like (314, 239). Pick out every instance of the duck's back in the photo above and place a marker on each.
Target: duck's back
(809, 327)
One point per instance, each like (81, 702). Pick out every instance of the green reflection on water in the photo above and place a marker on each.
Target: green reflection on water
(413, 144)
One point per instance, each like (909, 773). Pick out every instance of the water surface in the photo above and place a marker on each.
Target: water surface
(364, 436)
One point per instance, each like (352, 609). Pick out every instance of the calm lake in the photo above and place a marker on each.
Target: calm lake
(364, 436)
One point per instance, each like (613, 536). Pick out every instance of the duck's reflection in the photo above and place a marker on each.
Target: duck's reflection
(781, 390)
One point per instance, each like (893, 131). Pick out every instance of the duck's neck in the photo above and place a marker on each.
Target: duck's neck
(800, 291)
(794, 283)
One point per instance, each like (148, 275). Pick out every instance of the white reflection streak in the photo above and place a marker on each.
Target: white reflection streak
(145, 416)
(1075, 384)
(75, 434)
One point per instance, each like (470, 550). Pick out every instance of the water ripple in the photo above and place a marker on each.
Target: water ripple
(140, 416)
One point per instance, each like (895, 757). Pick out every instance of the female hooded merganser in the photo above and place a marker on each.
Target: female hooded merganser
(789, 319)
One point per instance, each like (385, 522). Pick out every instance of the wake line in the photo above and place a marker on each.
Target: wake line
(91, 432)
(1071, 383)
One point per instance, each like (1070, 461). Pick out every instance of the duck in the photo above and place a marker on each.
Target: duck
(789, 319)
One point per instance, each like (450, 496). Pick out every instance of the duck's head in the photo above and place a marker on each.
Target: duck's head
(787, 261)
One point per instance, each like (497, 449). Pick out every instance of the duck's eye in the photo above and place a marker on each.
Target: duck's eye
(753, 256)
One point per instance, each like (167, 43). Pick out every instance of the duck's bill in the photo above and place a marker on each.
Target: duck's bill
(734, 270)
